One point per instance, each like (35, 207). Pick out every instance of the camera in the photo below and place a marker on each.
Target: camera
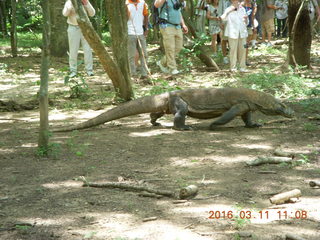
(177, 5)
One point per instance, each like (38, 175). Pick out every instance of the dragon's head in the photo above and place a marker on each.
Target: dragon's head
(279, 108)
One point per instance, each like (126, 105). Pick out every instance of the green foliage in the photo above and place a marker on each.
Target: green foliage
(78, 87)
(161, 86)
(289, 85)
(53, 149)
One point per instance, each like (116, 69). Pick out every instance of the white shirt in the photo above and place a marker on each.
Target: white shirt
(136, 16)
(236, 26)
(68, 11)
(282, 13)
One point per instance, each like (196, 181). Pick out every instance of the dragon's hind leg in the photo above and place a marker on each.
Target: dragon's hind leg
(236, 110)
(246, 117)
(154, 117)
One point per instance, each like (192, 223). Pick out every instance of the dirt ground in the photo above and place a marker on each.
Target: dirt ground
(43, 198)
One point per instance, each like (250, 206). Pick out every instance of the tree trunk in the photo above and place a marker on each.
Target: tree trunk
(123, 90)
(45, 58)
(202, 52)
(300, 35)
(59, 37)
(119, 35)
(13, 30)
(3, 18)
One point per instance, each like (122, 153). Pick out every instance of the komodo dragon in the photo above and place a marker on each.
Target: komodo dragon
(206, 103)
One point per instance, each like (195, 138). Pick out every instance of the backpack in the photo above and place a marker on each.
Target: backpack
(156, 14)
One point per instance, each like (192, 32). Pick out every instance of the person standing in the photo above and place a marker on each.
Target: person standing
(201, 16)
(251, 9)
(267, 20)
(76, 37)
(236, 31)
(171, 27)
(214, 23)
(282, 16)
(138, 20)
(223, 5)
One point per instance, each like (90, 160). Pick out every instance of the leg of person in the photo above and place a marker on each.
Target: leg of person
(279, 28)
(285, 27)
(143, 55)
(233, 43)
(178, 46)
(88, 60)
(270, 30)
(74, 36)
(214, 43)
(263, 32)
(132, 49)
(168, 61)
(242, 54)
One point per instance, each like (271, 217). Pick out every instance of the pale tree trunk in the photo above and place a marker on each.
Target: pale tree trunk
(59, 37)
(43, 96)
(123, 90)
(300, 37)
(13, 30)
(119, 35)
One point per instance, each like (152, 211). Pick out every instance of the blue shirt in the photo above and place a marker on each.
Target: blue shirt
(171, 15)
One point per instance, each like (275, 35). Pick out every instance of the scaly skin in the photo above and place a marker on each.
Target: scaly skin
(207, 103)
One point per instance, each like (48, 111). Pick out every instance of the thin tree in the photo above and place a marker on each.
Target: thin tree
(300, 37)
(122, 88)
(13, 29)
(44, 78)
(119, 35)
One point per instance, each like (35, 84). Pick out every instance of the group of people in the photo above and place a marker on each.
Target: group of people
(235, 23)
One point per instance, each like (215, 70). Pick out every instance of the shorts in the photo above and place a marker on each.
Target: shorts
(250, 31)
(268, 26)
(214, 29)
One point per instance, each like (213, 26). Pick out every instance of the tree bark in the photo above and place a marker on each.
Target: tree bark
(202, 54)
(3, 18)
(59, 37)
(13, 30)
(300, 37)
(44, 79)
(119, 35)
(123, 90)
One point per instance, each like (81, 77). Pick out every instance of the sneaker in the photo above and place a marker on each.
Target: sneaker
(90, 73)
(269, 44)
(72, 74)
(248, 63)
(233, 70)
(163, 69)
(225, 60)
(243, 70)
(174, 72)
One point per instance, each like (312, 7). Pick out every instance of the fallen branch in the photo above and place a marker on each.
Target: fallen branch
(280, 153)
(149, 219)
(290, 236)
(282, 120)
(188, 192)
(126, 186)
(314, 183)
(286, 196)
(269, 160)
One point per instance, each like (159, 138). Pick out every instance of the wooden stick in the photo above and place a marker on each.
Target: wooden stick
(271, 160)
(149, 219)
(290, 236)
(188, 192)
(126, 187)
(280, 153)
(283, 197)
(314, 183)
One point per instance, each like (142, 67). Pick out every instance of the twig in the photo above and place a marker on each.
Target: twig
(126, 187)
